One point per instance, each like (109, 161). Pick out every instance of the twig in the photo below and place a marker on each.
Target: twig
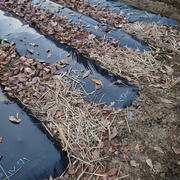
(82, 160)
(122, 177)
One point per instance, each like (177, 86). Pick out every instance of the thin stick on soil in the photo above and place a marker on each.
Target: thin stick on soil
(123, 177)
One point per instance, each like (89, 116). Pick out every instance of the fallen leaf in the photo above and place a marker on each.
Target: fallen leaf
(138, 145)
(133, 163)
(112, 172)
(97, 81)
(71, 171)
(176, 150)
(98, 87)
(100, 170)
(86, 74)
(156, 148)
(149, 163)
(166, 101)
(63, 62)
(113, 134)
(0, 139)
(125, 148)
(69, 54)
(58, 114)
(15, 119)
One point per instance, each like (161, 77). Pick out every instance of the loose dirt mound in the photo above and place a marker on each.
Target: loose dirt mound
(170, 8)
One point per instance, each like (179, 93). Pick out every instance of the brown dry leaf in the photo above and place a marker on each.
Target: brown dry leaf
(86, 74)
(3, 78)
(15, 119)
(113, 134)
(125, 148)
(176, 150)
(71, 171)
(1, 139)
(58, 114)
(63, 62)
(112, 172)
(98, 87)
(133, 163)
(149, 163)
(97, 81)
(69, 54)
(138, 145)
(53, 69)
(156, 148)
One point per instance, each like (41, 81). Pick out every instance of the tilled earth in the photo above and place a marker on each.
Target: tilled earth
(146, 144)
(168, 8)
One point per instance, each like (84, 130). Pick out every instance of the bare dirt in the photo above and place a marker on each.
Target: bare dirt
(169, 8)
(156, 125)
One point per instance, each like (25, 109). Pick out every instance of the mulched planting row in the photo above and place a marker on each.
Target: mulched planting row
(95, 11)
(123, 62)
(83, 128)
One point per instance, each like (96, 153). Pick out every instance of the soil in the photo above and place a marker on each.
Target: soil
(154, 124)
(169, 8)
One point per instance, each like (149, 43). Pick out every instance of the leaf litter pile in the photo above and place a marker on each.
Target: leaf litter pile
(102, 142)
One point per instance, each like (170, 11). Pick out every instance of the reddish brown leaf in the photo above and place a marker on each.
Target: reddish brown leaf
(58, 114)
(112, 172)
(1, 139)
(71, 171)
(97, 81)
(3, 78)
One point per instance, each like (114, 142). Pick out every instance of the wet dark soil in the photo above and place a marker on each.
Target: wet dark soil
(169, 8)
